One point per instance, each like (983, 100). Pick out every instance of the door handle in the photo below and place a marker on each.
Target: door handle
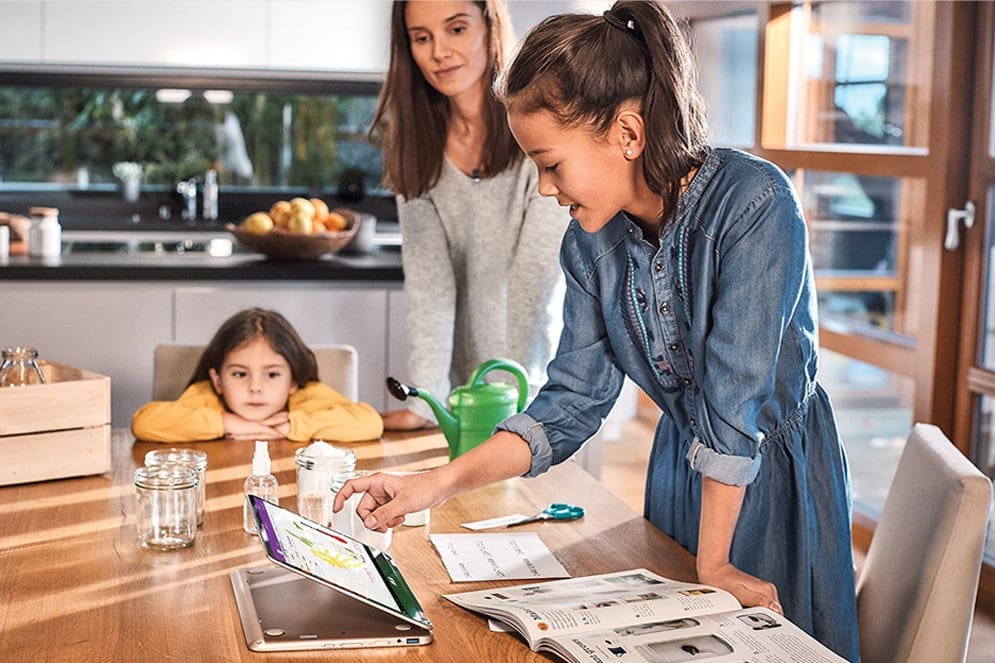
(952, 239)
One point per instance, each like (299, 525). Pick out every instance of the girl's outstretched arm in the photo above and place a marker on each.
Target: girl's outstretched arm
(389, 497)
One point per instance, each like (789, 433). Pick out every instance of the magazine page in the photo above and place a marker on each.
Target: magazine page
(752, 635)
(624, 598)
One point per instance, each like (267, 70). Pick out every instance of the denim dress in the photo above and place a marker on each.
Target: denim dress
(718, 326)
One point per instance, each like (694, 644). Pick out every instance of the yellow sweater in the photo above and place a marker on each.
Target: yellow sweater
(316, 412)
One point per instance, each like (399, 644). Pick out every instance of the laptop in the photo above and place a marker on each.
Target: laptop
(326, 590)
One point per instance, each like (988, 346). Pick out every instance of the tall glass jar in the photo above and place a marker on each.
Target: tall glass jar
(321, 470)
(192, 458)
(19, 366)
(166, 506)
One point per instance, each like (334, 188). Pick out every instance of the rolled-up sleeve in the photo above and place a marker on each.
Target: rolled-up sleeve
(729, 469)
(532, 432)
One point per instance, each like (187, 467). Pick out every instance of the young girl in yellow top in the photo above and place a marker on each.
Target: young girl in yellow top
(257, 380)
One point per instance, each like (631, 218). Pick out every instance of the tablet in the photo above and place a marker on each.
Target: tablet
(336, 560)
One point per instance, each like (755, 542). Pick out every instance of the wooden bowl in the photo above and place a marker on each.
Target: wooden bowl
(283, 245)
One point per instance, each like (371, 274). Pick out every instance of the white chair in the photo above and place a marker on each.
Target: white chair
(174, 363)
(916, 592)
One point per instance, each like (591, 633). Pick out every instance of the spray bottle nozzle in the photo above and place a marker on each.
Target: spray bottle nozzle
(260, 459)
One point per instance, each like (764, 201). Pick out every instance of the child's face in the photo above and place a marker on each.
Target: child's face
(586, 172)
(449, 44)
(255, 382)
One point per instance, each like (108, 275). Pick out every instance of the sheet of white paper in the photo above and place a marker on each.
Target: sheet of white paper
(500, 521)
(499, 626)
(519, 556)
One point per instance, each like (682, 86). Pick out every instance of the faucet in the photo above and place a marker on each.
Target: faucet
(188, 189)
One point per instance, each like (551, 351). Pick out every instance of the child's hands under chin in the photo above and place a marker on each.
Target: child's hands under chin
(279, 422)
(240, 428)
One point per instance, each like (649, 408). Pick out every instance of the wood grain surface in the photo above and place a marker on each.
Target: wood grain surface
(74, 585)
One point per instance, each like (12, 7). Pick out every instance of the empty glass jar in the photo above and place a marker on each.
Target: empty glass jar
(19, 366)
(192, 458)
(166, 506)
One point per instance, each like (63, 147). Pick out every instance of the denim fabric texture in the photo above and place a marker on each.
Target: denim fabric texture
(718, 326)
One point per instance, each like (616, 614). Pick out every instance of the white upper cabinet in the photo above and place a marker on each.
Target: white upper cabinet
(20, 31)
(322, 35)
(338, 35)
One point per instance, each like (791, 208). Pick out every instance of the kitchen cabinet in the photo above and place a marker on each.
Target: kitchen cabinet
(268, 34)
(105, 327)
(20, 31)
(112, 327)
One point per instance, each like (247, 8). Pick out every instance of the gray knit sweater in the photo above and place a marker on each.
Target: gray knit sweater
(482, 276)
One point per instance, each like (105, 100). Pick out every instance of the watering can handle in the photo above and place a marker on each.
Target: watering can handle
(512, 367)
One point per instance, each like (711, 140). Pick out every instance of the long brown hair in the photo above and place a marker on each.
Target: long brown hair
(249, 325)
(583, 68)
(412, 117)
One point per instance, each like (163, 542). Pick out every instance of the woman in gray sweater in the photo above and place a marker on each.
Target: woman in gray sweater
(480, 246)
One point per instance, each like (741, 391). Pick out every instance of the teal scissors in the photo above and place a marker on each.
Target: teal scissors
(556, 511)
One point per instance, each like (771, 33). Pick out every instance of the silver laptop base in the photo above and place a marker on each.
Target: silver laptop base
(282, 611)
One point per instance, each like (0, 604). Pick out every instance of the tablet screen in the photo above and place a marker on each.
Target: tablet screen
(341, 561)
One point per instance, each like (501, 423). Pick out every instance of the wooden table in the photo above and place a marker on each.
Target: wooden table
(74, 586)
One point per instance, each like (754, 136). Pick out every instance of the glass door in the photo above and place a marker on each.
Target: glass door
(975, 409)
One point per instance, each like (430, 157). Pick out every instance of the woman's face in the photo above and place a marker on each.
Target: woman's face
(255, 381)
(449, 44)
(581, 170)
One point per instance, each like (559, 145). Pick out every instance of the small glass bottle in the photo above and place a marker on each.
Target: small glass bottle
(322, 468)
(19, 367)
(166, 506)
(192, 458)
(260, 483)
(45, 233)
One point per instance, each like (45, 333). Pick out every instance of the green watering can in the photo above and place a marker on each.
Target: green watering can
(476, 407)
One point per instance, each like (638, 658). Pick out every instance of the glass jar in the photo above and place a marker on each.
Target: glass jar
(165, 506)
(321, 470)
(45, 233)
(192, 458)
(19, 366)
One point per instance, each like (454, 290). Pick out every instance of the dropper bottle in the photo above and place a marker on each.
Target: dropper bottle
(260, 483)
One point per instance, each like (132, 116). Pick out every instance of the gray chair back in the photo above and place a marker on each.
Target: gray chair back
(916, 591)
(174, 363)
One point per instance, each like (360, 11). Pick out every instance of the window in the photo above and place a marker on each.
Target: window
(60, 132)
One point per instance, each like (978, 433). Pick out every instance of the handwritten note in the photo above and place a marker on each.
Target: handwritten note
(519, 556)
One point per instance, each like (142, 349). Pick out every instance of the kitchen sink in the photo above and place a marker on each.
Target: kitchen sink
(147, 243)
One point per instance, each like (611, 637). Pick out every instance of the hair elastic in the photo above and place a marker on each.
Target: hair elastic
(616, 22)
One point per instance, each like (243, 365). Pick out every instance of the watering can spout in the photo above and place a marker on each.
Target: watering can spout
(448, 423)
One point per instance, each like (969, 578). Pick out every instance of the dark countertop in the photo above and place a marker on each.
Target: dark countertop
(381, 265)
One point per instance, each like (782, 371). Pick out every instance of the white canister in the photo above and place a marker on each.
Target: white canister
(45, 233)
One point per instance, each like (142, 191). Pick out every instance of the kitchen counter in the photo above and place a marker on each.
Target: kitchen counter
(382, 265)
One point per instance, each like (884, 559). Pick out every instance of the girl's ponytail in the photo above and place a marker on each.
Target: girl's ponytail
(677, 134)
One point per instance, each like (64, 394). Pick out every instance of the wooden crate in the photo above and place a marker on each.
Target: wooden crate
(58, 429)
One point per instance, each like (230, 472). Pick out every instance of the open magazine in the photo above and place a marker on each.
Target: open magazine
(637, 615)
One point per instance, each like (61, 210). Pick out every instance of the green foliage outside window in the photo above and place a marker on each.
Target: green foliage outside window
(47, 134)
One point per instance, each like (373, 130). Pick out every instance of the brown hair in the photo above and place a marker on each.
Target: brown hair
(412, 117)
(583, 68)
(248, 325)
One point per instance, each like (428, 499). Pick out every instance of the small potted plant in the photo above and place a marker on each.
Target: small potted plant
(130, 174)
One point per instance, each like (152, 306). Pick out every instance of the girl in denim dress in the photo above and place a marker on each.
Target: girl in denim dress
(687, 269)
